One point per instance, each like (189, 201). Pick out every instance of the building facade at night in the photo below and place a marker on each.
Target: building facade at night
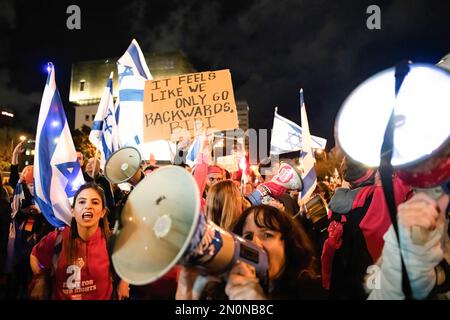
(88, 80)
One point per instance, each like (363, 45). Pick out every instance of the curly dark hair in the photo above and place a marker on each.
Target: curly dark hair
(300, 277)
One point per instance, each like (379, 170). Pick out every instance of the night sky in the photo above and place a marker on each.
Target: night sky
(273, 48)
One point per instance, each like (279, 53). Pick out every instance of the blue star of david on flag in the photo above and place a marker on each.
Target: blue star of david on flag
(287, 136)
(70, 171)
(127, 71)
(108, 127)
(294, 140)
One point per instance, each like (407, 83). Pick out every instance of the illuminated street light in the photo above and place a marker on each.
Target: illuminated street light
(22, 138)
(8, 114)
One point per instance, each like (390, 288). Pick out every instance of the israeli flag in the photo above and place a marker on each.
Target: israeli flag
(133, 72)
(17, 199)
(287, 136)
(104, 133)
(309, 173)
(193, 150)
(57, 173)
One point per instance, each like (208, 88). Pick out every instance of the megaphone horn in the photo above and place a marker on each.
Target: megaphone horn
(124, 165)
(163, 226)
(316, 210)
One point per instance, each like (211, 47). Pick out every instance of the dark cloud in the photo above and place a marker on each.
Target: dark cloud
(272, 48)
(323, 46)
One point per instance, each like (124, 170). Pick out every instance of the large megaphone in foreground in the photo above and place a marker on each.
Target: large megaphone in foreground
(421, 131)
(163, 226)
(124, 165)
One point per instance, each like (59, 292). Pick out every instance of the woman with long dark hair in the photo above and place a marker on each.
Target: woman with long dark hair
(292, 269)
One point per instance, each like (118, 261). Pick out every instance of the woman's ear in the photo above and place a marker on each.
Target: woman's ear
(103, 212)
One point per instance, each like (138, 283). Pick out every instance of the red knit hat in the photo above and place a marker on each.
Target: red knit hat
(27, 174)
(215, 169)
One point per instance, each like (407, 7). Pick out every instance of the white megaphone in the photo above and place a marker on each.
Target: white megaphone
(421, 129)
(164, 226)
(421, 133)
(124, 165)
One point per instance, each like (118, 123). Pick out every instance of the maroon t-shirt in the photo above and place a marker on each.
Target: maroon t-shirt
(88, 277)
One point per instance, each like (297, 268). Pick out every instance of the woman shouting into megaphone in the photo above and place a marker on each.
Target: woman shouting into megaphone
(292, 269)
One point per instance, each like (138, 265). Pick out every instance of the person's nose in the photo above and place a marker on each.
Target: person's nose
(257, 241)
(88, 205)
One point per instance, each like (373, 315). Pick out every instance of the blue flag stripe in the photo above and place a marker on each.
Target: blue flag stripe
(135, 56)
(117, 113)
(97, 125)
(109, 84)
(131, 95)
(106, 151)
(308, 181)
(192, 154)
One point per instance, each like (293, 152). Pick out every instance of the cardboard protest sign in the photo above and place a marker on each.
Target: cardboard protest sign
(188, 104)
(229, 163)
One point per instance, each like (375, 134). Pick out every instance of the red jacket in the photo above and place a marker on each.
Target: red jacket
(88, 278)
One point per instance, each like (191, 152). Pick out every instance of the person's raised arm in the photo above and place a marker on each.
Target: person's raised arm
(202, 161)
(14, 172)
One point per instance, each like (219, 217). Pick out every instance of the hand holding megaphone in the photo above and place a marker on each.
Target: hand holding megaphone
(422, 215)
(243, 284)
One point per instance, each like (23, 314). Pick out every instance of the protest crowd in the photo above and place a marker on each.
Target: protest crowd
(75, 228)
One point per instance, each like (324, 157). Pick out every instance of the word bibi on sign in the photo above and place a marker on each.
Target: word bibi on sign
(188, 104)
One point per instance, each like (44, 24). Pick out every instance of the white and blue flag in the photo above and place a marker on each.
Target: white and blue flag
(193, 150)
(309, 173)
(133, 72)
(104, 132)
(287, 136)
(57, 173)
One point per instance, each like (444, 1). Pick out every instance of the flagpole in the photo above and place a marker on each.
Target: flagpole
(301, 124)
(302, 101)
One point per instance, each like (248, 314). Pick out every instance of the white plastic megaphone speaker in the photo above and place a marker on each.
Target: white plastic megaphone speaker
(421, 128)
(163, 226)
(124, 165)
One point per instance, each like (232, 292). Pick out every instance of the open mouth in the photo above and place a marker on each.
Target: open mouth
(87, 216)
